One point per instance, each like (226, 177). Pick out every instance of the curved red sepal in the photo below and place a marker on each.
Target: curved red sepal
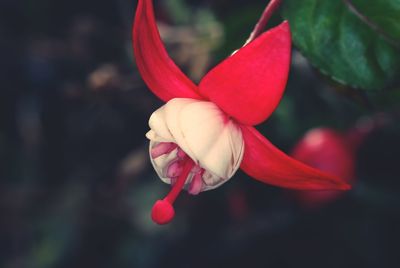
(263, 161)
(158, 70)
(249, 85)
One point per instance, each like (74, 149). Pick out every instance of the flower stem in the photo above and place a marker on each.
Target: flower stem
(262, 22)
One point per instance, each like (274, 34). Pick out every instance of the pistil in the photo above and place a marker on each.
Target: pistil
(163, 211)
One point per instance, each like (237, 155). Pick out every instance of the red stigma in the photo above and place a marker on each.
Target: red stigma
(163, 212)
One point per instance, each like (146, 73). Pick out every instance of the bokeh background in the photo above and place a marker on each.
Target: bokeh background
(76, 185)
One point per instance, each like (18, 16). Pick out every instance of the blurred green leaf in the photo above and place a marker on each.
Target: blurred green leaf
(385, 14)
(341, 45)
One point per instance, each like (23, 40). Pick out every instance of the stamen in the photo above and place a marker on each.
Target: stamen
(173, 180)
(162, 148)
(181, 153)
(174, 169)
(197, 183)
(163, 211)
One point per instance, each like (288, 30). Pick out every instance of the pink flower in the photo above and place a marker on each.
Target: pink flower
(205, 132)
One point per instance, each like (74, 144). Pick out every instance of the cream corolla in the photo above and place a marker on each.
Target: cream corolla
(201, 131)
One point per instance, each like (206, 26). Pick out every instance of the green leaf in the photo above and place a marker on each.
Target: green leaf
(341, 45)
(384, 14)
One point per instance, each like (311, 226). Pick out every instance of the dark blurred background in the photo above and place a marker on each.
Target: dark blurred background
(77, 187)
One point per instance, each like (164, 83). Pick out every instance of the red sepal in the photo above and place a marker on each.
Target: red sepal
(264, 162)
(249, 85)
(158, 70)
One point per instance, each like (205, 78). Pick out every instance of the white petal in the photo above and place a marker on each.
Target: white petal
(172, 111)
(159, 130)
(237, 146)
(220, 157)
(212, 137)
(201, 123)
(152, 135)
(212, 181)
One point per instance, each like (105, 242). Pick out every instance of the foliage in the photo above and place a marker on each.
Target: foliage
(343, 45)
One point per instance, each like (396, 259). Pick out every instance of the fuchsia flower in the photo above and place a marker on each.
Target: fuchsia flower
(334, 152)
(205, 132)
(330, 151)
